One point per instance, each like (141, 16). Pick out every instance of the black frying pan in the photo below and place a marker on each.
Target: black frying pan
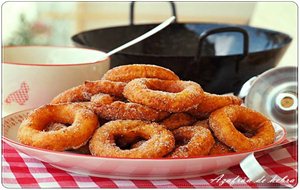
(219, 57)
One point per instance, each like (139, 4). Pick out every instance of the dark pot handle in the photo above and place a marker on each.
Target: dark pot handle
(204, 35)
(131, 16)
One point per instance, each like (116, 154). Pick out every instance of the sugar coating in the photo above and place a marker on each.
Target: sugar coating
(212, 102)
(177, 120)
(133, 96)
(199, 141)
(159, 141)
(121, 110)
(223, 123)
(34, 130)
(85, 91)
(127, 73)
(165, 95)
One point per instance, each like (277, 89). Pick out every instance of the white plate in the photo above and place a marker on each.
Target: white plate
(124, 168)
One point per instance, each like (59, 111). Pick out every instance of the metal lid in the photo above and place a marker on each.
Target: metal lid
(274, 93)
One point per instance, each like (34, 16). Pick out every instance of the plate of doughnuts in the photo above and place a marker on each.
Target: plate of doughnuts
(141, 122)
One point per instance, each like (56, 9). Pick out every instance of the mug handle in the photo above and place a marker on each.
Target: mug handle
(131, 16)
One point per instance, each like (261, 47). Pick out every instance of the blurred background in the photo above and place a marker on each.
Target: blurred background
(53, 23)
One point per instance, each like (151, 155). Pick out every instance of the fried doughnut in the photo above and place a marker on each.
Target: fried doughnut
(122, 110)
(165, 95)
(202, 123)
(177, 120)
(127, 73)
(102, 99)
(192, 141)
(113, 110)
(75, 94)
(218, 147)
(159, 141)
(85, 91)
(225, 122)
(34, 129)
(106, 87)
(58, 126)
(212, 102)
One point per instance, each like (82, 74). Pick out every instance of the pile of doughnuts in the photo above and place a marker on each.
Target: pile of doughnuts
(145, 111)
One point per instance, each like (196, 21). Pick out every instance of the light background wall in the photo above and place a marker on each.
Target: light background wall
(94, 15)
(283, 17)
(68, 18)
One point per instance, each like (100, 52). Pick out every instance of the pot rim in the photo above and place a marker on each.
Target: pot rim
(78, 42)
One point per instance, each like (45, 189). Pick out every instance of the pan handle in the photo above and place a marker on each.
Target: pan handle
(204, 35)
(131, 16)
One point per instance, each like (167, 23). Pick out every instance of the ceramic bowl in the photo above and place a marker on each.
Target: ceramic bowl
(33, 75)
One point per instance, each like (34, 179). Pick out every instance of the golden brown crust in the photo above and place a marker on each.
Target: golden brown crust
(159, 141)
(106, 107)
(220, 148)
(75, 94)
(127, 73)
(122, 110)
(224, 122)
(102, 99)
(127, 99)
(165, 95)
(177, 120)
(212, 102)
(202, 123)
(197, 141)
(85, 91)
(106, 87)
(33, 130)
